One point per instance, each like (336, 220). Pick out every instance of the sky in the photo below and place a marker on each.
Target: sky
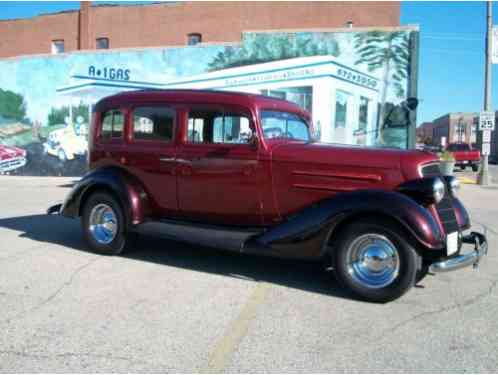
(451, 60)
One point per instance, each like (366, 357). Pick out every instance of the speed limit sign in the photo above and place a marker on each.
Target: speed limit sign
(487, 120)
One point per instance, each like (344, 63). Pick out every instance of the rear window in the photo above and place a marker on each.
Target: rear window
(112, 124)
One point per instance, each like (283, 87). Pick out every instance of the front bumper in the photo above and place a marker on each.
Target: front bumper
(466, 259)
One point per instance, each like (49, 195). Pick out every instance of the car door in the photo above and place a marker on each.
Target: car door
(151, 151)
(218, 170)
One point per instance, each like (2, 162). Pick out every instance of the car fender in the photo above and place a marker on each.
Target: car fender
(125, 187)
(307, 233)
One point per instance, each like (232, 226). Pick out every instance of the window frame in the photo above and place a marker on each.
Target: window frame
(190, 35)
(306, 121)
(112, 139)
(242, 111)
(102, 38)
(131, 132)
(54, 45)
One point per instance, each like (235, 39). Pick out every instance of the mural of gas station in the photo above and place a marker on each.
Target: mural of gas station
(325, 73)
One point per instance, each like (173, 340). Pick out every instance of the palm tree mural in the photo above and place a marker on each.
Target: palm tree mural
(265, 47)
(388, 51)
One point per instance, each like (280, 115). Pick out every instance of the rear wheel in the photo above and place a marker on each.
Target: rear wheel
(104, 224)
(375, 262)
(475, 167)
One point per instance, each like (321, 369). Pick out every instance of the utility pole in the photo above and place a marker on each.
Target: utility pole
(483, 178)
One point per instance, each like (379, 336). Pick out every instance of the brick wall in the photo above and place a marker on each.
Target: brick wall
(170, 23)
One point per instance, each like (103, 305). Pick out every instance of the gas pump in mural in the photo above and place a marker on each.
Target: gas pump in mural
(347, 81)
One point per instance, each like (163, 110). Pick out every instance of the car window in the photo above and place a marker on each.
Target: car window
(112, 124)
(278, 124)
(215, 126)
(153, 123)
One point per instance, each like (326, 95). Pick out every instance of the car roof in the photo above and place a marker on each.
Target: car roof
(128, 98)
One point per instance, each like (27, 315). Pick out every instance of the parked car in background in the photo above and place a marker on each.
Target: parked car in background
(242, 172)
(65, 143)
(11, 158)
(465, 155)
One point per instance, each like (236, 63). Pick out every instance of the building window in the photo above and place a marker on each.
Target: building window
(102, 43)
(57, 47)
(363, 113)
(341, 108)
(193, 39)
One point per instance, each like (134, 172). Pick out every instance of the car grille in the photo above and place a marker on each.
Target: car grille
(11, 164)
(444, 208)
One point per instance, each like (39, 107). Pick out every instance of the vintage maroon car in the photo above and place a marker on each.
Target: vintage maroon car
(11, 158)
(241, 172)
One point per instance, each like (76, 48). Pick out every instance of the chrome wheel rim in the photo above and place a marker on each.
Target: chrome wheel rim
(373, 261)
(103, 224)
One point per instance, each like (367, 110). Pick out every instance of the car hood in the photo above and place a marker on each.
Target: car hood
(10, 152)
(336, 155)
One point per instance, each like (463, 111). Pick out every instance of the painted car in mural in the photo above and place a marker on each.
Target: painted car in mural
(344, 79)
(11, 158)
(243, 172)
(65, 143)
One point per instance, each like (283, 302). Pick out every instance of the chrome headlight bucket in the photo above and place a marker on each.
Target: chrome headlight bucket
(438, 190)
(425, 191)
(453, 184)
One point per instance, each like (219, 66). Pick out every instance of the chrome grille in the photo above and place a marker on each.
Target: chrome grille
(444, 208)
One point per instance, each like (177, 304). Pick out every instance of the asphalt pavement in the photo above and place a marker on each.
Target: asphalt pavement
(171, 307)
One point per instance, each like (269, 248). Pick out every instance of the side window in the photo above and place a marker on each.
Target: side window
(212, 126)
(153, 123)
(112, 124)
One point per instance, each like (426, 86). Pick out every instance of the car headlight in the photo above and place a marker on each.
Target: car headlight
(438, 190)
(453, 184)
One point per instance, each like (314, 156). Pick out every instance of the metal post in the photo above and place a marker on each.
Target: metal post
(483, 178)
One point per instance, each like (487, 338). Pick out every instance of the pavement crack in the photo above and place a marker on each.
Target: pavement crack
(64, 285)
(456, 305)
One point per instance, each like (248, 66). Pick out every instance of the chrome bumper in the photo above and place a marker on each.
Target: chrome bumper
(467, 259)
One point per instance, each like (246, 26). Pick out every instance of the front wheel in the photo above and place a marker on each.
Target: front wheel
(375, 262)
(104, 224)
(475, 167)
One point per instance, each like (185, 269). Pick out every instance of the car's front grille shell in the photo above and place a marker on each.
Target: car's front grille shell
(444, 208)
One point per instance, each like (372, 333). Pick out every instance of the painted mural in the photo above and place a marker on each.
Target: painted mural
(353, 83)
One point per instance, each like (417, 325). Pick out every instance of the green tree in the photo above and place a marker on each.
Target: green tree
(58, 115)
(265, 47)
(389, 51)
(12, 105)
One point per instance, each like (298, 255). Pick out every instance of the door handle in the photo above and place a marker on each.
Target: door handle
(166, 160)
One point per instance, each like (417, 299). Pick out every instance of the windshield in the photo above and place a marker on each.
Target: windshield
(284, 125)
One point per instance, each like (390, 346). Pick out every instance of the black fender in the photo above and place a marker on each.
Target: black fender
(125, 187)
(306, 234)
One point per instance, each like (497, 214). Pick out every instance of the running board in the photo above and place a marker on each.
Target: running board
(220, 237)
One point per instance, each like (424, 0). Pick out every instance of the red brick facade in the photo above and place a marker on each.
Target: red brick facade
(168, 24)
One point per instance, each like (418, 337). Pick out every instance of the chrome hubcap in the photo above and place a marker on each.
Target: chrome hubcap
(103, 224)
(373, 261)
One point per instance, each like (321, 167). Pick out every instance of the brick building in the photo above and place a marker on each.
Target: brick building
(455, 127)
(180, 23)
(425, 133)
